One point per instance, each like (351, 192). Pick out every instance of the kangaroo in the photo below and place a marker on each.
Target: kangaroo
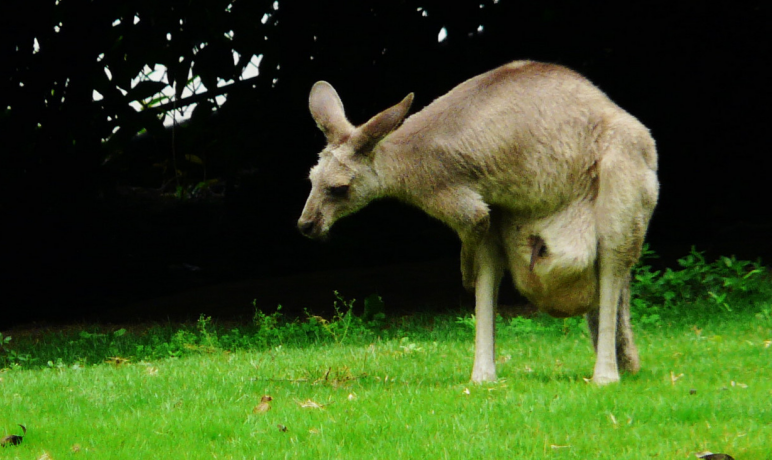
(535, 169)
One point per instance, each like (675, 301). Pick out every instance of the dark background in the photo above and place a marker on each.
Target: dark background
(131, 229)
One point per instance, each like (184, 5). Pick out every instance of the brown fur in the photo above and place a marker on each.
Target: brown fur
(537, 171)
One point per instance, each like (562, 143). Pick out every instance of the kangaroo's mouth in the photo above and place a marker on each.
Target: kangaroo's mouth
(312, 229)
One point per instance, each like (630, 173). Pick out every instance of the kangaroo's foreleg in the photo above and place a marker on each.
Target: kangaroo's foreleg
(464, 211)
(482, 264)
(471, 241)
(489, 272)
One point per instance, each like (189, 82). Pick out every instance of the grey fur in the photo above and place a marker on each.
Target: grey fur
(536, 170)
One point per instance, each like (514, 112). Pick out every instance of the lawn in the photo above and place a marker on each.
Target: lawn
(371, 386)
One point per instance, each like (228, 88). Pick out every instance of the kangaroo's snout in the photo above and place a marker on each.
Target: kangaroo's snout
(312, 229)
(307, 228)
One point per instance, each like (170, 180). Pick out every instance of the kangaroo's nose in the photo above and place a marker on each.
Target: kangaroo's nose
(306, 228)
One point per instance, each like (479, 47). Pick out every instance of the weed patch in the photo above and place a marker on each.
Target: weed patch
(699, 290)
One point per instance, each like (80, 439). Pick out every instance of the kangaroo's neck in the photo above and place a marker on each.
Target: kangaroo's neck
(407, 162)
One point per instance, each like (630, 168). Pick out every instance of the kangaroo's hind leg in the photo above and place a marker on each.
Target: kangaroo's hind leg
(627, 194)
(626, 351)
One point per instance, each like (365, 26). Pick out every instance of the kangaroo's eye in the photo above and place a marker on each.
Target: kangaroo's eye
(338, 191)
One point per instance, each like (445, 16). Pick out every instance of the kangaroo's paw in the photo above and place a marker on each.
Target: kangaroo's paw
(601, 379)
(480, 375)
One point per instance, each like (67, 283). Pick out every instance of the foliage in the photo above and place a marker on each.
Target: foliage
(710, 288)
(77, 74)
(520, 326)
(268, 331)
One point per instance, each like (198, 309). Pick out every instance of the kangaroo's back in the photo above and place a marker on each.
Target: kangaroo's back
(527, 133)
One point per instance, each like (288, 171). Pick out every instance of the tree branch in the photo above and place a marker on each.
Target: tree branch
(196, 98)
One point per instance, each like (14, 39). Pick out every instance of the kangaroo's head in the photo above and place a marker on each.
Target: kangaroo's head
(345, 178)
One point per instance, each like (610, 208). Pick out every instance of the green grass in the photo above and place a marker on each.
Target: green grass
(399, 387)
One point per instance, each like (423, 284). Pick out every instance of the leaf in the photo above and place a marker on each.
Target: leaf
(181, 72)
(152, 123)
(310, 404)
(711, 456)
(264, 406)
(144, 90)
(674, 378)
(202, 113)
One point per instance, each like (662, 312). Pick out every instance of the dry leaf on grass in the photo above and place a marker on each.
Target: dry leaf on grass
(264, 406)
(12, 439)
(711, 456)
(311, 404)
(117, 360)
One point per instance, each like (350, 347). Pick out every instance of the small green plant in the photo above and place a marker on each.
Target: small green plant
(264, 321)
(720, 284)
(375, 311)
(4, 340)
(765, 315)
(467, 322)
(519, 326)
(208, 338)
(344, 322)
(9, 357)
(409, 347)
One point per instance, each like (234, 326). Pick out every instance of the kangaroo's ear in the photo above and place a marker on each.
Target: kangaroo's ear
(388, 120)
(327, 110)
(382, 124)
